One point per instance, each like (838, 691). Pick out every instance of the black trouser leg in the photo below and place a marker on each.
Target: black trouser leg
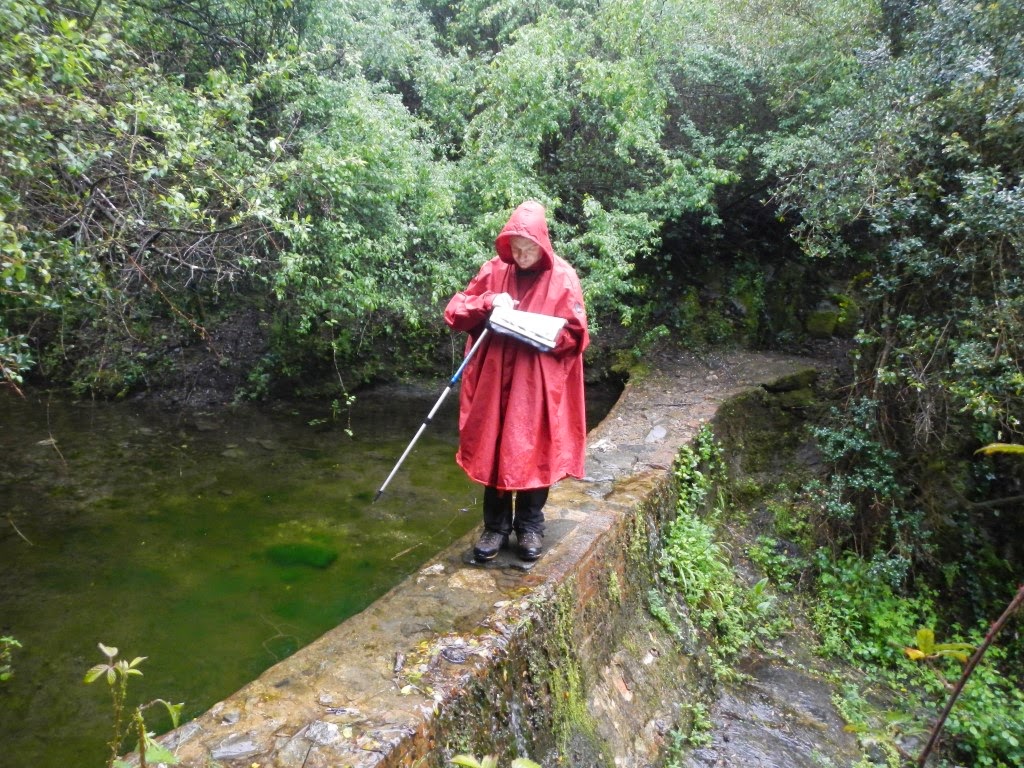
(530, 510)
(498, 511)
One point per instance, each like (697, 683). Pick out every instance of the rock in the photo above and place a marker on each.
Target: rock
(235, 747)
(821, 323)
(323, 733)
(656, 435)
(802, 379)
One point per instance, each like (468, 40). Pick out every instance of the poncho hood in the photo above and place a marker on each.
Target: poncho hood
(529, 220)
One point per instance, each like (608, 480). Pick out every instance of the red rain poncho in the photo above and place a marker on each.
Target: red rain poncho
(522, 423)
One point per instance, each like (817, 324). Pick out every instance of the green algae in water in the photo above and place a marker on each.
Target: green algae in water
(302, 553)
(214, 569)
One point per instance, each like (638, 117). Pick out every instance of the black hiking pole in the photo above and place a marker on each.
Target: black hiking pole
(433, 410)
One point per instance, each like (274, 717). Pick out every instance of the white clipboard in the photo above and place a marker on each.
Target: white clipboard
(537, 330)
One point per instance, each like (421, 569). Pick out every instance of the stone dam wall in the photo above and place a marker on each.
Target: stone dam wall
(559, 661)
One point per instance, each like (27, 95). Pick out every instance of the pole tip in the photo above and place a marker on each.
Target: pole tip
(379, 493)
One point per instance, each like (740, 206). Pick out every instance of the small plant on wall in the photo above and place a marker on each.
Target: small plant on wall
(7, 644)
(117, 671)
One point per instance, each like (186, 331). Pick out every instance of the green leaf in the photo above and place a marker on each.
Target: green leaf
(174, 710)
(523, 762)
(108, 651)
(94, 673)
(158, 753)
(913, 654)
(1000, 448)
(954, 647)
(467, 760)
(926, 641)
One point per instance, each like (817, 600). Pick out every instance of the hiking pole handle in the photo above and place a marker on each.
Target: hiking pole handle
(433, 410)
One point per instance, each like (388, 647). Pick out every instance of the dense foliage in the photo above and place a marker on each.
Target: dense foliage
(331, 174)
(915, 179)
(291, 190)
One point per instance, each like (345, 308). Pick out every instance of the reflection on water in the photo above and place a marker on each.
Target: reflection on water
(214, 544)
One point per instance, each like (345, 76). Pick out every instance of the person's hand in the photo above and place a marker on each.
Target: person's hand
(503, 300)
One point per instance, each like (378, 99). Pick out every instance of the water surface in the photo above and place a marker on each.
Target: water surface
(214, 543)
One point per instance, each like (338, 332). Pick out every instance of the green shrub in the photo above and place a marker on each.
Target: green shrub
(857, 613)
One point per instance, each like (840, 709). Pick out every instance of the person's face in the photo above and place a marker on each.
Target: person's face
(525, 252)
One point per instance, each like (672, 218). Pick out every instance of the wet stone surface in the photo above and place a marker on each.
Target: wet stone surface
(782, 716)
(371, 691)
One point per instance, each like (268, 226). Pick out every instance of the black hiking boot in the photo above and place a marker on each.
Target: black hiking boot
(489, 544)
(531, 544)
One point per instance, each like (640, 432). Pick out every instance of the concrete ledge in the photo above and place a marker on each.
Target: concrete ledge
(496, 659)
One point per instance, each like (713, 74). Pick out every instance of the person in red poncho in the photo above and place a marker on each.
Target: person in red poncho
(522, 423)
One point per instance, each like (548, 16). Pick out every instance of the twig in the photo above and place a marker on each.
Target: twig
(7, 378)
(968, 669)
(196, 327)
(19, 532)
(280, 635)
(1004, 502)
(407, 550)
(53, 440)
(429, 538)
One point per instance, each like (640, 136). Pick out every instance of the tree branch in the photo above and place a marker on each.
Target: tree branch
(968, 669)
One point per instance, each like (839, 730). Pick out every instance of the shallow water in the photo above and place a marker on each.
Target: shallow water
(213, 544)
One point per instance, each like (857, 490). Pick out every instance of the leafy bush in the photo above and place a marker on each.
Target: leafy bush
(857, 614)
(915, 179)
